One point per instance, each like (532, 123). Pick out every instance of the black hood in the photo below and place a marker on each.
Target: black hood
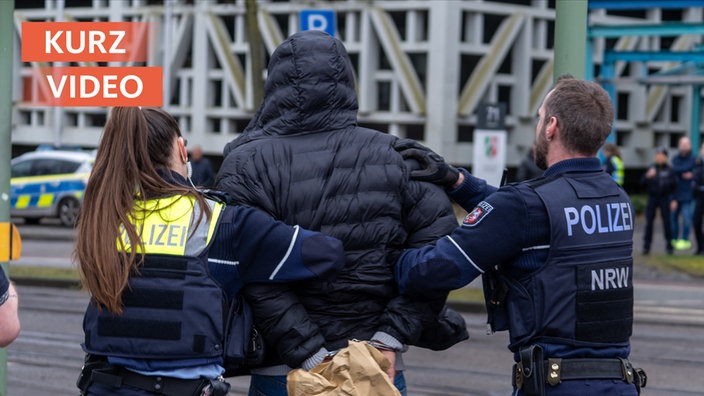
(310, 88)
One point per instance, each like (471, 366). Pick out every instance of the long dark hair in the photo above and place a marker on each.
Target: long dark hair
(136, 142)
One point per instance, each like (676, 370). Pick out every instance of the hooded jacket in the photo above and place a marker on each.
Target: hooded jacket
(304, 160)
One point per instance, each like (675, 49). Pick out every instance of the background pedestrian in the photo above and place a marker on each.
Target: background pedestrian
(528, 169)
(698, 178)
(202, 173)
(683, 164)
(613, 164)
(660, 182)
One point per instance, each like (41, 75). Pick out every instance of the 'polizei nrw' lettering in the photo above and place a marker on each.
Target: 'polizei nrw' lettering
(610, 278)
(600, 219)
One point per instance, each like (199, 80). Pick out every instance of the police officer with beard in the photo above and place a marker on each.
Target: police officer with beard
(555, 253)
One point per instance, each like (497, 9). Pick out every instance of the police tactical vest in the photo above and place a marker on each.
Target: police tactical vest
(583, 294)
(173, 309)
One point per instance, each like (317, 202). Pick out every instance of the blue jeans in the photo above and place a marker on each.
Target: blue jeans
(270, 385)
(685, 208)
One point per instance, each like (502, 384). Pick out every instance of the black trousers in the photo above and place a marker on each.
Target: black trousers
(653, 204)
(697, 222)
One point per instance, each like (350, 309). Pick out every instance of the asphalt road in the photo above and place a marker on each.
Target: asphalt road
(667, 341)
(46, 357)
(659, 296)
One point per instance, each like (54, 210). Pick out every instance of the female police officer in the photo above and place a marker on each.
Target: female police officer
(563, 247)
(162, 262)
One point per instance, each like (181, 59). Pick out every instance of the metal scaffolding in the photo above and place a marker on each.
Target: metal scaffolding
(422, 68)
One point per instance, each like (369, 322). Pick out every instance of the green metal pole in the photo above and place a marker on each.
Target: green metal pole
(7, 37)
(570, 38)
(256, 51)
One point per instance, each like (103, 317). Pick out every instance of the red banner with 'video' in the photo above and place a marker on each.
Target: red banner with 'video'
(93, 85)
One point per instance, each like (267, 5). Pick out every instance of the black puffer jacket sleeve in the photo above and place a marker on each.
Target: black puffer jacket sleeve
(427, 218)
(429, 215)
(288, 331)
(290, 335)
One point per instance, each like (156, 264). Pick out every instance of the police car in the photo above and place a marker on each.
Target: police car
(49, 184)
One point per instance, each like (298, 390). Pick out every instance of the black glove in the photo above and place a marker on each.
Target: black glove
(448, 329)
(434, 168)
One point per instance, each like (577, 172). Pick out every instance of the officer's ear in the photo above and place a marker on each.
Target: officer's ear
(182, 149)
(551, 127)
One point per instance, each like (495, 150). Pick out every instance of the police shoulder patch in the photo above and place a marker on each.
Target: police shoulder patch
(477, 214)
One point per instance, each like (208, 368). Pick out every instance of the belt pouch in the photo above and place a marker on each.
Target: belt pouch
(92, 363)
(533, 370)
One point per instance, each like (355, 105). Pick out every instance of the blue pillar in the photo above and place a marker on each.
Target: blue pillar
(589, 60)
(608, 72)
(695, 132)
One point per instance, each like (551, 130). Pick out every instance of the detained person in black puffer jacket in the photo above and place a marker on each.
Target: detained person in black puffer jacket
(304, 160)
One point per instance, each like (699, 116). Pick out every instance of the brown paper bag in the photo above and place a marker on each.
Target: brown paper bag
(357, 370)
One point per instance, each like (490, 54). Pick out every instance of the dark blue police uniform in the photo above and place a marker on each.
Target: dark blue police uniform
(558, 251)
(173, 335)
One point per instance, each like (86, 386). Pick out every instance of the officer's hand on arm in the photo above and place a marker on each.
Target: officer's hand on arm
(434, 168)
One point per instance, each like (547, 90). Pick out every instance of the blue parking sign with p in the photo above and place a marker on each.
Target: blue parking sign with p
(318, 20)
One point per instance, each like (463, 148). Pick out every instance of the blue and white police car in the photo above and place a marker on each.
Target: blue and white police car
(49, 184)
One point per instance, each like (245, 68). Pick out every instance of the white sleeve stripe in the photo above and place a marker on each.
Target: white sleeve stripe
(219, 261)
(288, 253)
(465, 254)
(537, 247)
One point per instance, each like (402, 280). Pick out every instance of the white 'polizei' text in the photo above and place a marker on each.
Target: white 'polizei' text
(599, 218)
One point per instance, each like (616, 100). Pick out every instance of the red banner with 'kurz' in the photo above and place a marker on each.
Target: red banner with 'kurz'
(84, 41)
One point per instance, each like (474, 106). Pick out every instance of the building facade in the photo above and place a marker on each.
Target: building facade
(422, 68)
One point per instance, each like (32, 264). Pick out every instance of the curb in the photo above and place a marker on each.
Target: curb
(460, 306)
(467, 306)
(47, 282)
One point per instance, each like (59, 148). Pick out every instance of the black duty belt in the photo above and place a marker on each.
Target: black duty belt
(557, 370)
(156, 384)
(571, 369)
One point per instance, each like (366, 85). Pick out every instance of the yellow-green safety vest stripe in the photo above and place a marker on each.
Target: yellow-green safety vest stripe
(618, 175)
(168, 226)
